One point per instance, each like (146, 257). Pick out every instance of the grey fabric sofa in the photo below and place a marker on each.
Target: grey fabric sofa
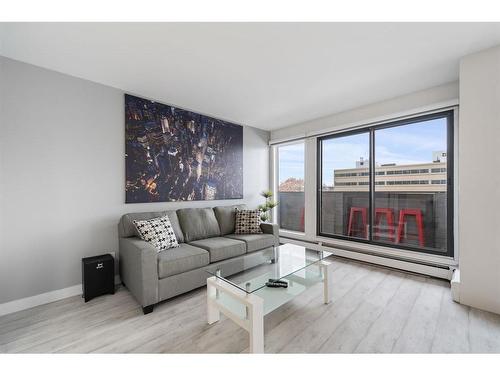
(207, 242)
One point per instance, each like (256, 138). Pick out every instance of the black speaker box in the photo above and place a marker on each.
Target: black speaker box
(98, 276)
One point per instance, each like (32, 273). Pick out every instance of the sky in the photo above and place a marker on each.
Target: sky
(408, 144)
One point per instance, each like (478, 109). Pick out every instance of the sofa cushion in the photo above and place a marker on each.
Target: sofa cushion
(226, 216)
(198, 223)
(126, 228)
(254, 241)
(181, 259)
(221, 248)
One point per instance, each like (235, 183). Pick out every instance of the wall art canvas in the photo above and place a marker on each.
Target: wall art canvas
(172, 154)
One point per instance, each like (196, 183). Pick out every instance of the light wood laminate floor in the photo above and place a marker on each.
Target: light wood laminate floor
(373, 310)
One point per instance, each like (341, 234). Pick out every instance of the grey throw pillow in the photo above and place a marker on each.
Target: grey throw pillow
(247, 222)
(158, 232)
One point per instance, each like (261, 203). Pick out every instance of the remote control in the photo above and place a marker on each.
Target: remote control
(276, 285)
(278, 281)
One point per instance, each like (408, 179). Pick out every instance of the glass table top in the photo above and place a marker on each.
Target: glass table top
(290, 259)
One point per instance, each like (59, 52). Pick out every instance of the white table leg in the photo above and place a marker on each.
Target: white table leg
(252, 322)
(213, 313)
(256, 330)
(327, 270)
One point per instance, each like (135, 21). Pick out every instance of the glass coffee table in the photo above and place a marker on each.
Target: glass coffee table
(245, 299)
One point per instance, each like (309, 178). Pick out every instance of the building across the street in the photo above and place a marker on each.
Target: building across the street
(425, 177)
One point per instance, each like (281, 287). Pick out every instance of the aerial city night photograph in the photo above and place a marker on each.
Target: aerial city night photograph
(177, 155)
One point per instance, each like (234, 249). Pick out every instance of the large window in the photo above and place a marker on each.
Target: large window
(390, 184)
(291, 186)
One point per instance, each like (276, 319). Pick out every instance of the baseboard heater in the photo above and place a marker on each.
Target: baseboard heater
(399, 263)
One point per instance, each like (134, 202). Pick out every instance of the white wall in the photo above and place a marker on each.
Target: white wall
(62, 175)
(379, 111)
(479, 180)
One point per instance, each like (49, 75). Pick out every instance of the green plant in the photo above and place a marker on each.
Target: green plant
(267, 206)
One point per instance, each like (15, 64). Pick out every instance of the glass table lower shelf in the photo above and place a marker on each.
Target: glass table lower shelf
(245, 298)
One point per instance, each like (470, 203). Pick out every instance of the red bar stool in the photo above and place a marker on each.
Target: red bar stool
(389, 219)
(420, 223)
(352, 218)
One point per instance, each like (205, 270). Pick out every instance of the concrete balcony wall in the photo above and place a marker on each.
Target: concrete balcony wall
(291, 211)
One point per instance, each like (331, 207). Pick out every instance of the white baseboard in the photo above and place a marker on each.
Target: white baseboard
(42, 299)
(39, 299)
(375, 259)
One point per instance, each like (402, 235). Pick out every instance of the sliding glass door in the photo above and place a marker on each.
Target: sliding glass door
(411, 180)
(345, 190)
(390, 184)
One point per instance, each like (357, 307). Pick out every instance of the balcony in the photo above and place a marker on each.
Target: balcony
(336, 211)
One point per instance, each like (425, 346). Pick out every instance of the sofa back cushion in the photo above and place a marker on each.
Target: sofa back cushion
(126, 227)
(198, 223)
(226, 216)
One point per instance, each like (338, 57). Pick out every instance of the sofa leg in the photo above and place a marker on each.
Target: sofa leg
(147, 309)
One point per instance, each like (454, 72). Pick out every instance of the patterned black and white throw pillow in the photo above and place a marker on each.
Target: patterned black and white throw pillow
(158, 232)
(247, 222)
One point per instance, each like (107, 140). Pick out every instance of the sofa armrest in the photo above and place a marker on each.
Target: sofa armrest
(139, 269)
(270, 228)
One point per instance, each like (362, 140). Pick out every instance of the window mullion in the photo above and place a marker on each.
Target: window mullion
(371, 183)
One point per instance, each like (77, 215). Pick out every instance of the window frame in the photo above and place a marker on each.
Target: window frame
(449, 114)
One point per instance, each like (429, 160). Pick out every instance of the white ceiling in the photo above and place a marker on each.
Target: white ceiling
(267, 75)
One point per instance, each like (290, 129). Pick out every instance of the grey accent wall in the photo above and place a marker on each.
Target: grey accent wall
(62, 174)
